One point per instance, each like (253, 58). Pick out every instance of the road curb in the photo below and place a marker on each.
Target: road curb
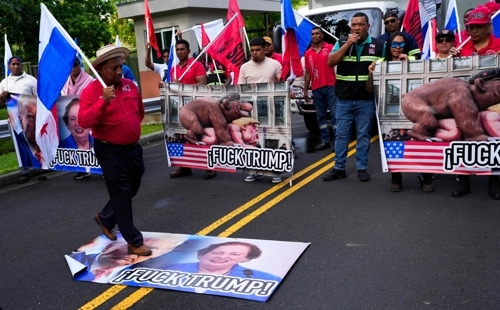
(12, 177)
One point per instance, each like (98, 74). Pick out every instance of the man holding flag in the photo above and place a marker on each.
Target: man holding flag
(18, 82)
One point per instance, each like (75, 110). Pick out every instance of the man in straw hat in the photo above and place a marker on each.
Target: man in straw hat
(114, 113)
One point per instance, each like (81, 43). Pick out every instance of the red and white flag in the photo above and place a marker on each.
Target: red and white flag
(151, 37)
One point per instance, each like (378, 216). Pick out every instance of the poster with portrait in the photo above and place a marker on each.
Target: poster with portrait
(231, 128)
(75, 150)
(232, 267)
(439, 116)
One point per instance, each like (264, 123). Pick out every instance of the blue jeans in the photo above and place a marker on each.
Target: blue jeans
(324, 100)
(362, 112)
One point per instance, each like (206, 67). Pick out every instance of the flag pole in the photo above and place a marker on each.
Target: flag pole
(209, 45)
(324, 30)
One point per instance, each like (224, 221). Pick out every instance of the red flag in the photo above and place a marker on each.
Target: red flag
(204, 36)
(411, 22)
(232, 9)
(291, 56)
(228, 49)
(148, 21)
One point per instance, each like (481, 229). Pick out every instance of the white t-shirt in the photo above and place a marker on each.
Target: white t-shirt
(266, 71)
(23, 84)
(161, 69)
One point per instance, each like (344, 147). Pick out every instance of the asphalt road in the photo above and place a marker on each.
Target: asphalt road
(370, 248)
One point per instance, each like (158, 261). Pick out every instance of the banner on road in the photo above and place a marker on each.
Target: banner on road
(232, 267)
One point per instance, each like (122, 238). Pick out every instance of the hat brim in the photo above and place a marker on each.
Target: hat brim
(445, 36)
(478, 22)
(114, 53)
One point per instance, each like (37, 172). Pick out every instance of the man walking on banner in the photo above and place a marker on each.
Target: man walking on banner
(321, 79)
(114, 113)
(18, 82)
(353, 56)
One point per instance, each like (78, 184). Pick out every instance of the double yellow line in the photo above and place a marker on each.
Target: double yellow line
(324, 165)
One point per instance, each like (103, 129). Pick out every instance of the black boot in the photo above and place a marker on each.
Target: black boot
(426, 182)
(494, 187)
(396, 182)
(463, 186)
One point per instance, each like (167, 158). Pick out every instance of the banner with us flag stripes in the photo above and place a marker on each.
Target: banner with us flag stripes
(234, 128)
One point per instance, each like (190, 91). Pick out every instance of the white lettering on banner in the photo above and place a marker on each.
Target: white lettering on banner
(472, 154)
(251, 158)
(189, 280)
(75, 158)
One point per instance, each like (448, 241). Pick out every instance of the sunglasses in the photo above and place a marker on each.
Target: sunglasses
(441, 40)
(398, 44)
(390, 21)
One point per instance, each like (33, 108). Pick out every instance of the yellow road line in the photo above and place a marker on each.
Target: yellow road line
(143, 291)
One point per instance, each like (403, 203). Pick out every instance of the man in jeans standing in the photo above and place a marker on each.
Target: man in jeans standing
(322, 79)
(353, 56)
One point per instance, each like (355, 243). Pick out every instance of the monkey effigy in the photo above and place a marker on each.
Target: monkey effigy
(207, 112)
(448, 98)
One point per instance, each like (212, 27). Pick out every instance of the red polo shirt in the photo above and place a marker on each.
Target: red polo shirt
(190, 77)
(491, 49)
(317, 65)
(118, 122)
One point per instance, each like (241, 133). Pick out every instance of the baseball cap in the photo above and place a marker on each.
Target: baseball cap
(392, 13)
(479, 16)
(445, 33)
(268, 40)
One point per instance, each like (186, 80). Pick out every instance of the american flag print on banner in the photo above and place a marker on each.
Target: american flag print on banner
(426, 157)
(192, 156)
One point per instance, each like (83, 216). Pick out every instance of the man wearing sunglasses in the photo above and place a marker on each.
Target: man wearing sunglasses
(393, 24)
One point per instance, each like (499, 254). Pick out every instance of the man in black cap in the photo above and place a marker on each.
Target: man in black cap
(392, 24)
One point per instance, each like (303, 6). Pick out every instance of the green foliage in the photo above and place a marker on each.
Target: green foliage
(3, 113)
(147, 129)
(8, 163)
(6, 145)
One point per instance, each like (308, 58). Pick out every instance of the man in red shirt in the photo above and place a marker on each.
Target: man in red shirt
(114, 113)
(482, 41)
(270, 51)
(321, 79)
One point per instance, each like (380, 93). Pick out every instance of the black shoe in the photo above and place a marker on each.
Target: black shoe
(23, 178)
(181, 172)
(396, 182)
(81, 175)
(322, 146)
(494, 187)
(426, 182)
(334, 174)
(463, 186)
(363, 176)
(209, 174)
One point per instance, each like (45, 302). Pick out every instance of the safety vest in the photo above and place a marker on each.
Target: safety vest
(352, 73)
(214, 76)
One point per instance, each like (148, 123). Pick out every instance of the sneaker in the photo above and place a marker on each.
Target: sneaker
(363, 176)
(81, 175)
(334, 174)
(277, 180)
(253, 177)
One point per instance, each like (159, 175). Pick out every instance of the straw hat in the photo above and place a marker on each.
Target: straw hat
(108, 52)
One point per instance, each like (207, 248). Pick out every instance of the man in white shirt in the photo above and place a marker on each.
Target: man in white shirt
(260, 69)
(162, 68)
(18, 82)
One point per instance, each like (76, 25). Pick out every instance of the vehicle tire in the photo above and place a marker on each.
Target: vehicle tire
(311, 122)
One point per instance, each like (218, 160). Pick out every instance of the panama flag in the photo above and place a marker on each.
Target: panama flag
(173, 60)
(428, 34)
(451, 20)
(7, 56)
(56, 55)
(291, 53)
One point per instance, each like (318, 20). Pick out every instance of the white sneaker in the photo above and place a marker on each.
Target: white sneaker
(277, 180)
(253, 177)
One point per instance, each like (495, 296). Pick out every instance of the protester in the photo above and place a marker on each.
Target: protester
(393, 24)
(114, 113)
(77, 81)
(482, 42)
(445, 43)
(128, 74)
(321, 78)
(195, 75)
(162, 68)
(18, 82)
(397, 50)
(353, 56)
(270, 51)
(464, 34)
(260, 69)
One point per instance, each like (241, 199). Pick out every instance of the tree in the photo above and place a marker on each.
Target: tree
(86, 20)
